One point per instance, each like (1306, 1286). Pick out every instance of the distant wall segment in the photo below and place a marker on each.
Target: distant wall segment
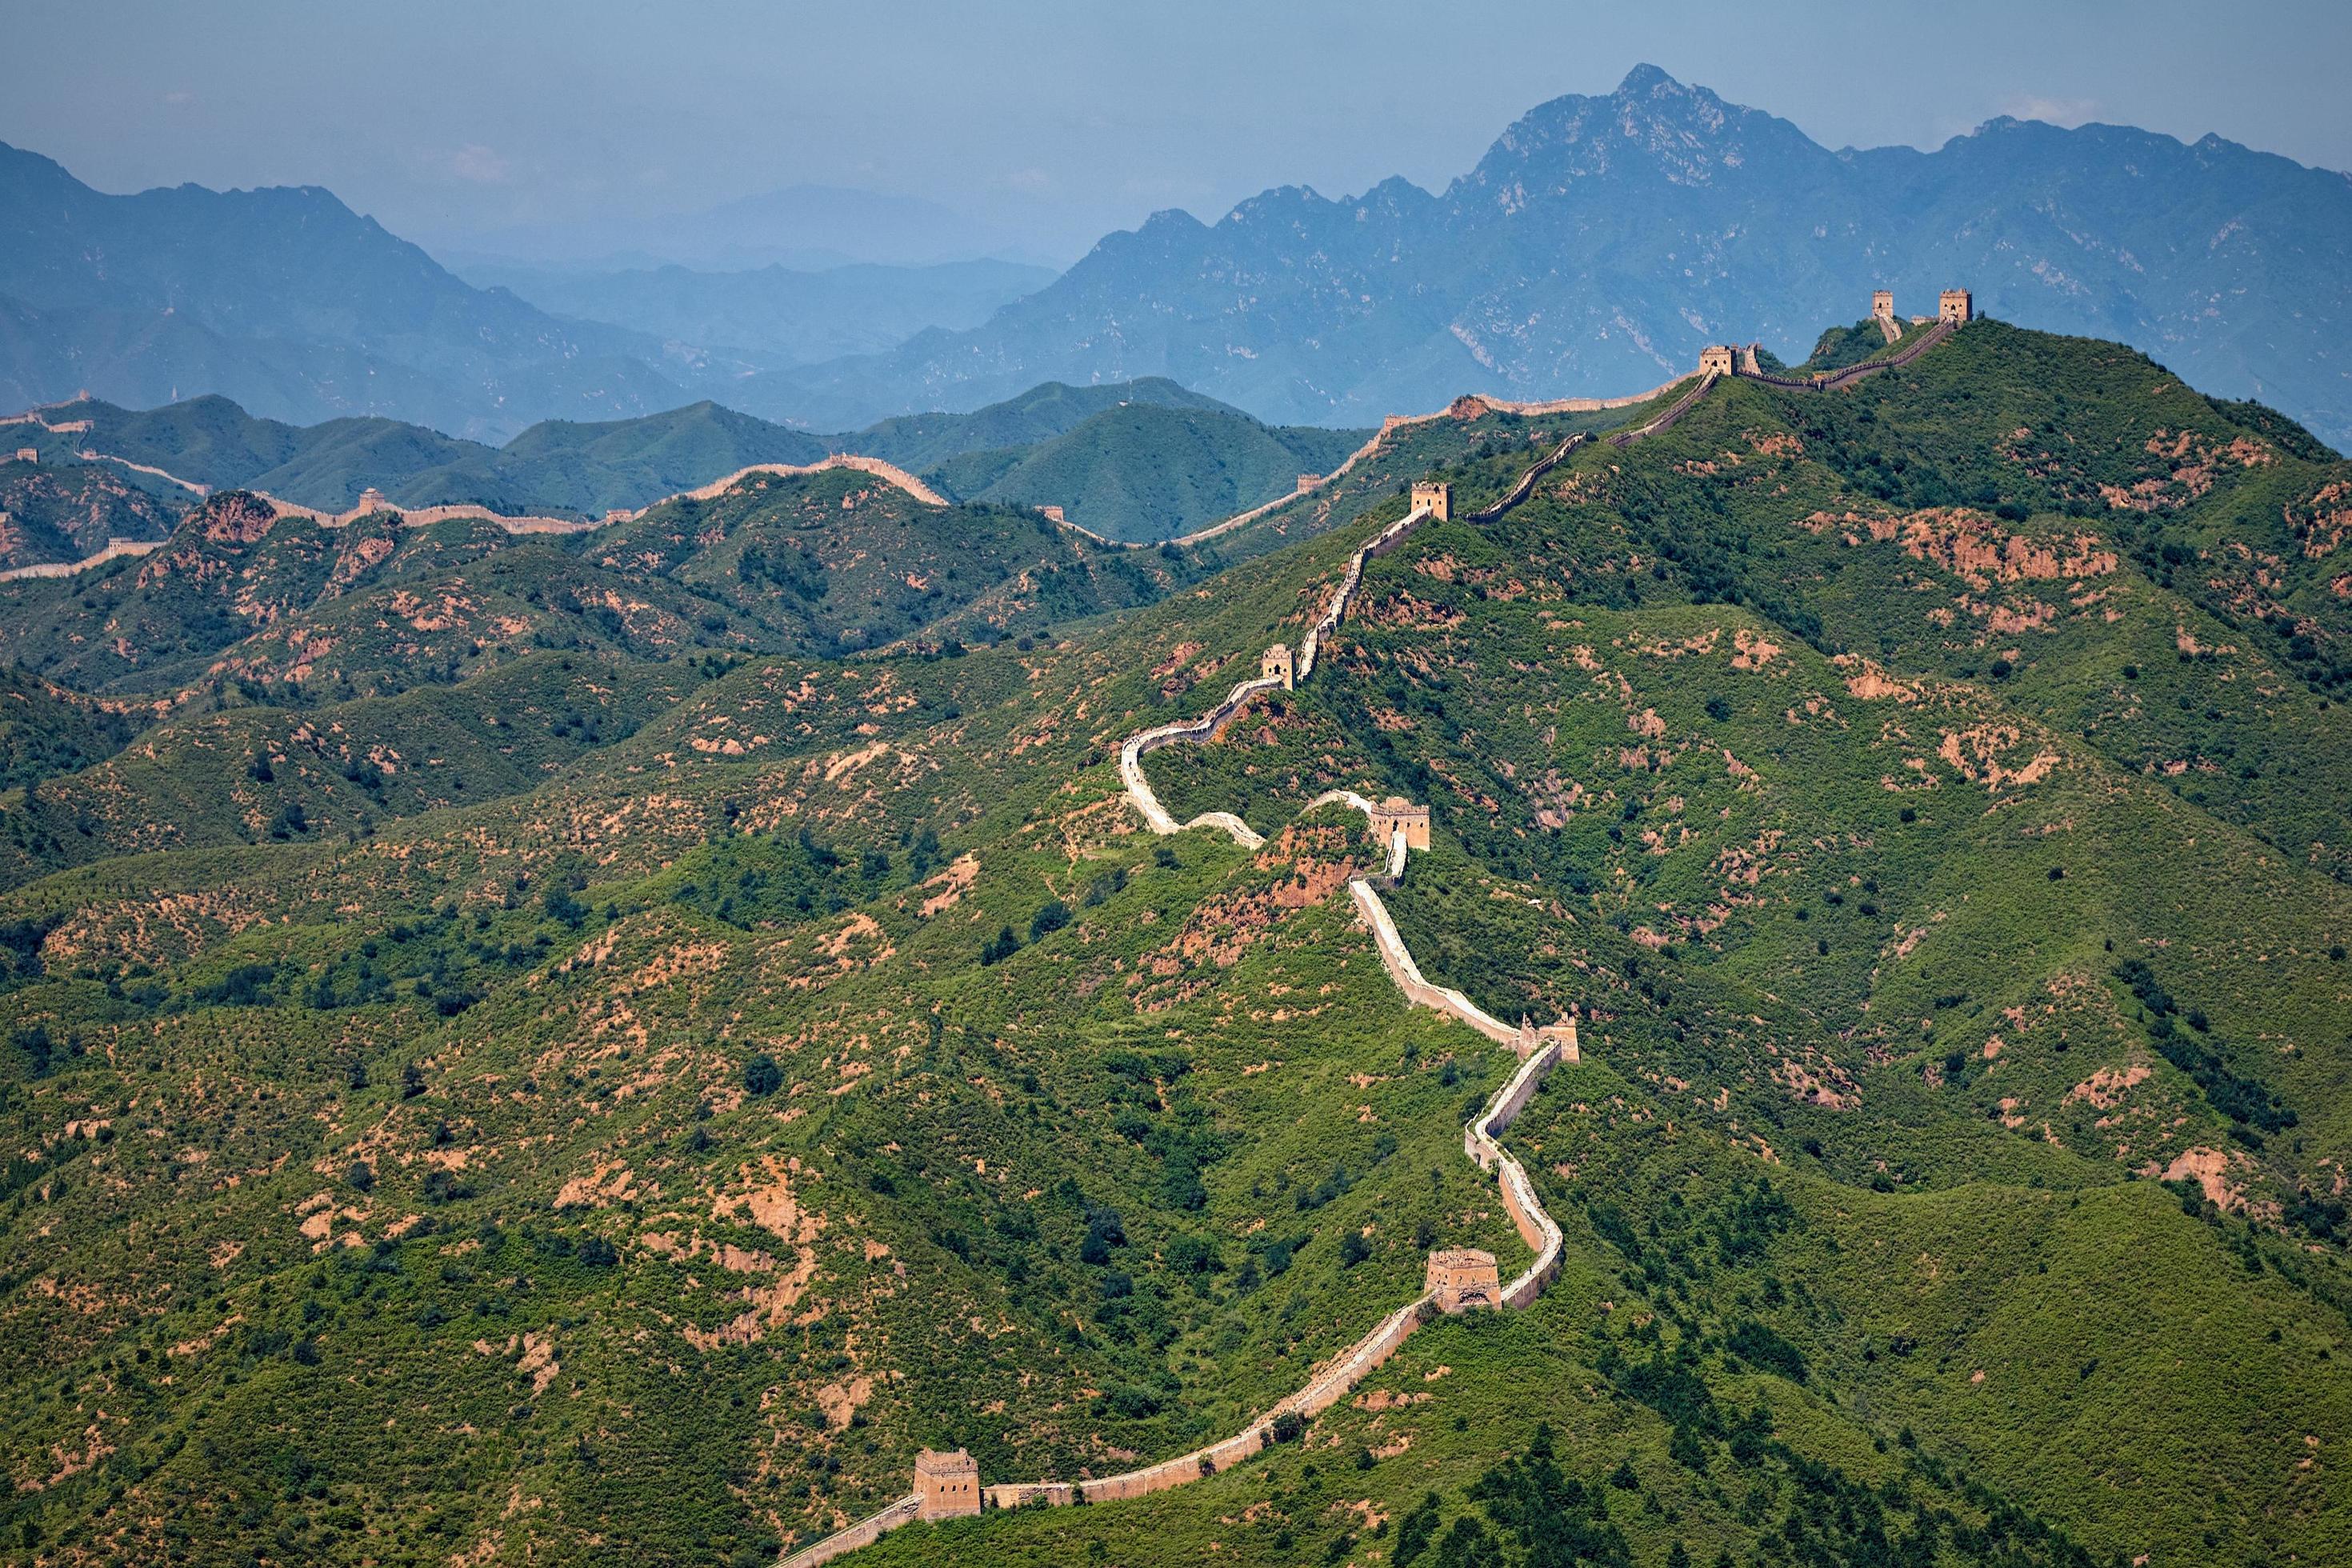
(372, 502)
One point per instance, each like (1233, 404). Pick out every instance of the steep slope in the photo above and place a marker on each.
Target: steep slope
(1602, 240)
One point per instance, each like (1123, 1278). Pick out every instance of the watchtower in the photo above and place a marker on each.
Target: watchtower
(28, 454)
(1277, 662)
(947, 1484)
(1309, 482)
(1464, 1277)
(1396, 812)
(1882, 304)
(1956, 306)
(1715, 359)
(371, 499)
(1531, 1039)
(1437, 497)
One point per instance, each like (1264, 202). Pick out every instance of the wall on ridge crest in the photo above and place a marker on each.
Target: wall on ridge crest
(426, 516)
(864, 1533)
(115, 549)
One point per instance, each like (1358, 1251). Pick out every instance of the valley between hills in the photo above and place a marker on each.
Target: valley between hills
(547, 1044)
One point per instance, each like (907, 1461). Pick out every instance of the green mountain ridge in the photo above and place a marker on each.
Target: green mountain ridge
(1129, 478)
(1926, 795)
(1146, 471)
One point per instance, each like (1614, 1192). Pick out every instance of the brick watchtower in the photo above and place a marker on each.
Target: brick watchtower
(1956, 306)
(1715, 359)
(1438, 498)
(947, 1484)
(1462, 1276)
(1395, 812)
(1277, 662)
(1882, 304)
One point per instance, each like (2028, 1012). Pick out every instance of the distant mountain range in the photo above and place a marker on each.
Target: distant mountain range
(301, 310)
(796, 316)
(1597, 245)
(806, 226)
(1602, 240)
(1135, 461)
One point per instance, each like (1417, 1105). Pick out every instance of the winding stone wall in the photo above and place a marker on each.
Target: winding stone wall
(115, 549)
(1539, 1051)
(1665, 421)
(1828, 379)
(425, 516)
(1479, 1142)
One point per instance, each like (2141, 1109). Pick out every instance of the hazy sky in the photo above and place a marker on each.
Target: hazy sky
(1061, 119)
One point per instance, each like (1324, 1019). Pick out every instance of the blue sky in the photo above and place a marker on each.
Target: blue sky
(451, 119)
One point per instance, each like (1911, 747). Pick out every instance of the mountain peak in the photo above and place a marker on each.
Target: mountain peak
(1646, 79)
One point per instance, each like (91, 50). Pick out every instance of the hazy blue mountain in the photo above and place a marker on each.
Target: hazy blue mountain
(1602, 240)
(290, 303)
(922, 442)
(807, 228)
(796, 316)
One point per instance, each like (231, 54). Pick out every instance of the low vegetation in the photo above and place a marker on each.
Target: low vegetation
(785, 1051)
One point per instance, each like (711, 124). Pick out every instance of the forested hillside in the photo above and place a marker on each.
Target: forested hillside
(555, 1048)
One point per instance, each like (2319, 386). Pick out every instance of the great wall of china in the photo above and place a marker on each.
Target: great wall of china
(1954, 307)
(947, 1484)
(372, 502)
(1538, 1050)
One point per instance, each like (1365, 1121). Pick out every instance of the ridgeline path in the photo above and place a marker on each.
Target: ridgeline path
(425, 516)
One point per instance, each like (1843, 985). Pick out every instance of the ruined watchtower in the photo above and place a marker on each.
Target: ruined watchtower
(1462, 1276)
(1956, 306)
(371, 499)
(947, 1484)
(1882, 304)
(1531, 1039)
(1715, 359)
(1438, 498)
(1277, 662)
(1396, 812)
